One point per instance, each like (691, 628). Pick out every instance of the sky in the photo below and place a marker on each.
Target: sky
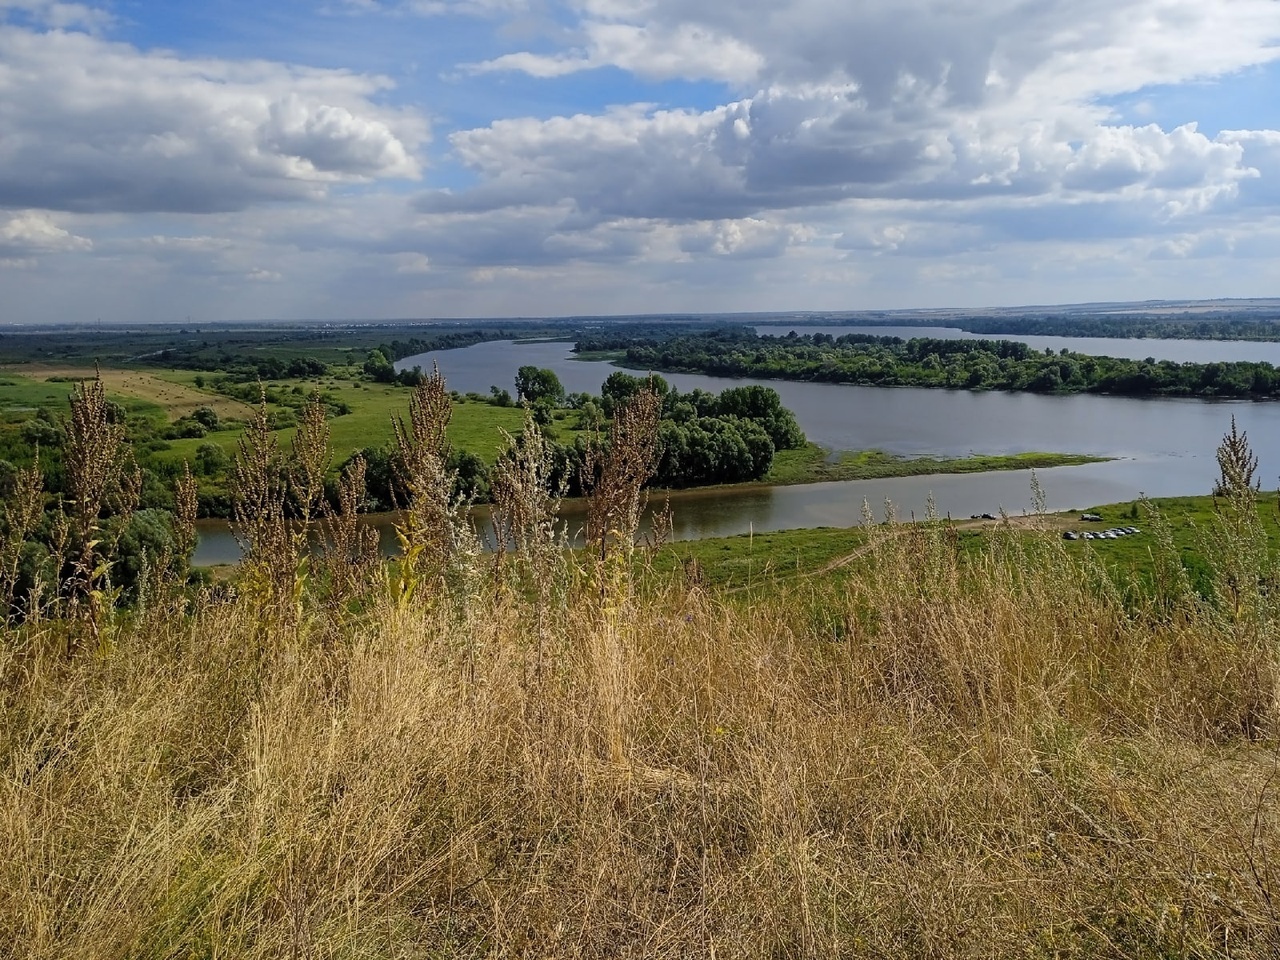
(377, 159)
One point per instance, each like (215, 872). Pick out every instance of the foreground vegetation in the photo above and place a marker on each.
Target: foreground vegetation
(932, 751)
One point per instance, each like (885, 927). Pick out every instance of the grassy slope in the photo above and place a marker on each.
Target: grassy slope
(937, 754)
(476, 426)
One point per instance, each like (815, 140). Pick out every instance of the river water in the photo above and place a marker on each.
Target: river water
(1162, 447)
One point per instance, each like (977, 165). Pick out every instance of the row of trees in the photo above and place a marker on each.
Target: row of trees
(956, 364)
(704, 438)
(1159, 328)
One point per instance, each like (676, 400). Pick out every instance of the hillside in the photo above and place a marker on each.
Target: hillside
(945, 747)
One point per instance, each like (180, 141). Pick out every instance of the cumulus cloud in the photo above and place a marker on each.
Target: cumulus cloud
(967, 52)
(784, 150)
(746, 239)
(888, 130)
(33, 233)
(1261, 150)
(832, 145)
(91, 125)
(914, 101)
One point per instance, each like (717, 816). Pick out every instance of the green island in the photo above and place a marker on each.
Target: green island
(1256, 324)
(900, 739)
(869, 360)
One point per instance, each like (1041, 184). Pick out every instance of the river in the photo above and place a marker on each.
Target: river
(1162, 447)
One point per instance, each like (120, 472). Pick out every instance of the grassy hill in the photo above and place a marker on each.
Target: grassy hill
(910, 740)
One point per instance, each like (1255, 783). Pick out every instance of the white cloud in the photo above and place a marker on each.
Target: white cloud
(438, 8)
(747, 238)
(687, 51)
(96, 126)
(33, 233)
(411, 263)
(60, 16)
(784, 150)
(852, 145)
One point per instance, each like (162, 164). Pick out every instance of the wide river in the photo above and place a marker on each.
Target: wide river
(1162, 447)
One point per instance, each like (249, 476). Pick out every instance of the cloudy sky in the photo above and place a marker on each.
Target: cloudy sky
(422, 158)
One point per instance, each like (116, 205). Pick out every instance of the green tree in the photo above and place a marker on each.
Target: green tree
(211, 460)
(377, 367)
(538, 383)
(206, 416)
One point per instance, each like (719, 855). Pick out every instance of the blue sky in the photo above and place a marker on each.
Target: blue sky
(420, 158)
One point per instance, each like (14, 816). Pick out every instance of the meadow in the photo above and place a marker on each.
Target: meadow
(956, 744)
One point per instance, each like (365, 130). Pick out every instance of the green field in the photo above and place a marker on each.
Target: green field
(476, 426)
(19, 394)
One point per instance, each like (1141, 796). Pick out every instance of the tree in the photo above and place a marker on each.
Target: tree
(206, 416)
(620, 387)
(377, 367)
(211, 459)
(538, 383)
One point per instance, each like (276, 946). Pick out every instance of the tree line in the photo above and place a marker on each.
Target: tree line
(955, 364)
(703, 438)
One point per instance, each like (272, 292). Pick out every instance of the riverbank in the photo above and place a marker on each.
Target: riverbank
(770, 560)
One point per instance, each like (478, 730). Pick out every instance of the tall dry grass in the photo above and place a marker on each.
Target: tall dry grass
(933, 753)
(939, 756)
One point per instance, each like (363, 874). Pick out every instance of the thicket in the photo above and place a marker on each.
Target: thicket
(1201, 328)
(704, 438)
(955, 364)
(544, 752)
(1211, 325)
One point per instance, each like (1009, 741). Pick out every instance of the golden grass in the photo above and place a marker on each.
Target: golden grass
(938, 756)
(177, 399)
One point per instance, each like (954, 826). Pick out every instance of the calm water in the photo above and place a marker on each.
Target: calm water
(916, 421)
(762, 509)
(1180, 351)
(1164, 447)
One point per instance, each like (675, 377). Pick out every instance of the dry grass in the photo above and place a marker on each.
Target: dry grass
(943, 757)
(177, 399)
(932, 753)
